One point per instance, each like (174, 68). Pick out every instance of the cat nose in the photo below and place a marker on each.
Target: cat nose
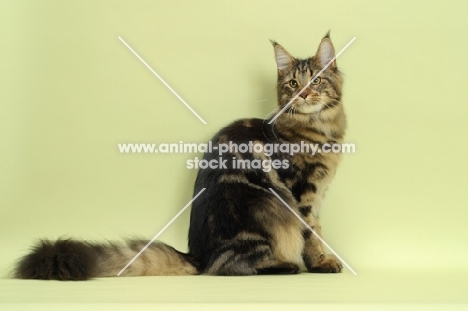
(304, 94)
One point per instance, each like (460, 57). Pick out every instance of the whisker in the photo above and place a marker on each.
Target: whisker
(293, 111)
(328, 106)
(274, 111)
(335, 100)
(271, 113)
(273, 129)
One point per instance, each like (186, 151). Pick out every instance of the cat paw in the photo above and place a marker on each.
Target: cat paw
(282, 268)
(328, 264)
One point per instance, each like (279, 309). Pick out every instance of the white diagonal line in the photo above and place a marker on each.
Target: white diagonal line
(162, 80)
(160, 232)
(315, 77)
(313, 231)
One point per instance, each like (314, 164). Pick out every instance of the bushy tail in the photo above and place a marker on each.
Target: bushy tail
(67, 259)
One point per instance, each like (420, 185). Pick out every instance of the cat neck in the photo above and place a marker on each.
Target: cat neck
(330, 126)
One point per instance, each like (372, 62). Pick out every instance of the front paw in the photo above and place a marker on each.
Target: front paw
(327, 264)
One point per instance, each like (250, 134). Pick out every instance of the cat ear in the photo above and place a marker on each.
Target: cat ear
(284, 60)
(326, 53)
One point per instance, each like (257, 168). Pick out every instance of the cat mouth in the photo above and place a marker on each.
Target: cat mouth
(308, 107)
(305, 102)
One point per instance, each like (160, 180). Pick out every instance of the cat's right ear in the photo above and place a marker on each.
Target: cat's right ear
(284, 60)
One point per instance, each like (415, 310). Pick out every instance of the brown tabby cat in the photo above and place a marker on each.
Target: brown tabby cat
(237, 225)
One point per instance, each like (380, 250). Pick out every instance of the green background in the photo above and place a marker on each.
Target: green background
(71, 91)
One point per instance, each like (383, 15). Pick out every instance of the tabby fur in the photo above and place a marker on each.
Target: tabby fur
(237, 225)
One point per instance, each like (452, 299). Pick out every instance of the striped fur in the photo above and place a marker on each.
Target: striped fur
(67, 259)
(237, 226)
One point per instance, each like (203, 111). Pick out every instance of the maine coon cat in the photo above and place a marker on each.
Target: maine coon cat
(237, 225)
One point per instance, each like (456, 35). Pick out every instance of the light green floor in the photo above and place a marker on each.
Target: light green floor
(368, 290)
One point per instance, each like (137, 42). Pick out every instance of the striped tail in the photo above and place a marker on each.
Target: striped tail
(67, 259)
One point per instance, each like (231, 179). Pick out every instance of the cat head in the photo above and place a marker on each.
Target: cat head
(311, 94)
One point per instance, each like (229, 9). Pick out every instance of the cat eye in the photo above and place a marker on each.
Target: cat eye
(293, 83)
(317, 80)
